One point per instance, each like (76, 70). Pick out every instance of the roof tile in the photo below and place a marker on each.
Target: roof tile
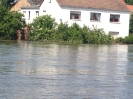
(97, 4)
(34, 2)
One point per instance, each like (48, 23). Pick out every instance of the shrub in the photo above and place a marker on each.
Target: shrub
(98, 36)
(85, 34)
(119, 40)
(42, 28)
(128, 39)
(61, 33)
(74, 33)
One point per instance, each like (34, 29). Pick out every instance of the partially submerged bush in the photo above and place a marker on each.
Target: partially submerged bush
(128, 39)
(119, 40)
(61, 33)
(98, 36)
(75, 34)
(44, 28)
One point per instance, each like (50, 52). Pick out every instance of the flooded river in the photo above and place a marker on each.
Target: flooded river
(38, 70)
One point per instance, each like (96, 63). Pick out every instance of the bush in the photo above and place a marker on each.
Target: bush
(119, 40)
(61, 33)
(97, 36)
(75, 34)
(128, 39)
(42, 28)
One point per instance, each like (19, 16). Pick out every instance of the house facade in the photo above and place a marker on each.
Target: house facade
(110, 15)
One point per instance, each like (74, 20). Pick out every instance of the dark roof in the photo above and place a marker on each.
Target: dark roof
(34, 2)
(118, 5)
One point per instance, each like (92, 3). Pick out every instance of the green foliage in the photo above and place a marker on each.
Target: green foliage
(75, 34)
(61, 33)
(129, 1)
(6, 3)
(97, 36)
(119, 40)
(10, 22)
(131, 25)
(42, 28)
(128, 39)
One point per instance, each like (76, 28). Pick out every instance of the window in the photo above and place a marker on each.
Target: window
(37, 14)
(114, 18)
(29, 15)
(24, 12)
(75, 15)
(95, 16)
(114, 34)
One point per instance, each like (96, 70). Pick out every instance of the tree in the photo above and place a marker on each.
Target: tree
(7, 3)
(10, 22)
(129, 1)
(42, 28)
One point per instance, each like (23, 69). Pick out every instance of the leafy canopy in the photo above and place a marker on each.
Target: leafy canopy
(10, 22)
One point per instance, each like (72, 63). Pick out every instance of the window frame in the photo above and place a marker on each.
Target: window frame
(37, 14)
(114, 18)
(75, 15)
(94, 16)
(29, 15)
(24, 13)
(114, 34)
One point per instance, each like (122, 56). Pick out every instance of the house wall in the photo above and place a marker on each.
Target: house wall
(52, 8)
(63, 13)
(29, 19)
(122, 27)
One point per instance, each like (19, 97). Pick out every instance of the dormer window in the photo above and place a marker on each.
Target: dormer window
(37, 14)
(49, 1)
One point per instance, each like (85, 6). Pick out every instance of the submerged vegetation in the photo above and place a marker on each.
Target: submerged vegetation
(45, 28)
(126, 40)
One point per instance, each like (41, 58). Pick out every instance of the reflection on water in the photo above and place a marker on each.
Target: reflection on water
(38, 70)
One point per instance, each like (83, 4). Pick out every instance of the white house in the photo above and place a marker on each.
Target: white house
(111, 15)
